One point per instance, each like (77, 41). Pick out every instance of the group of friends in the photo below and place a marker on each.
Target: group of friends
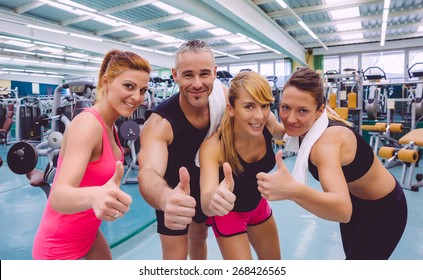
(206, 159)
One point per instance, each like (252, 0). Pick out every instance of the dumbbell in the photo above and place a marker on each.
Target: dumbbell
(130, 130)
(22, 157)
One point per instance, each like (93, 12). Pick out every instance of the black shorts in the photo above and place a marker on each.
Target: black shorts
(199, 217)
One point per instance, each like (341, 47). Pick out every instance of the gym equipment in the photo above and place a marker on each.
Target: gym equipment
(418, 91)
(276, 92)
(344, 93)
(7, 124)
(130, 131)
(376, 97)
(79, 90)
(409, 155)
(224, 76)
(22, 158)
(1, 161)
(380, 134)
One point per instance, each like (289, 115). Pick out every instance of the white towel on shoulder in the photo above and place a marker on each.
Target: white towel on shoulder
(300, 170)
(217, 107)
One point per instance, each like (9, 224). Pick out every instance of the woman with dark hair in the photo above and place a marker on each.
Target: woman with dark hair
(85, 189)
(358, 191)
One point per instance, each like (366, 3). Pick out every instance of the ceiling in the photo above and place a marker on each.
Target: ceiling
(69, 38)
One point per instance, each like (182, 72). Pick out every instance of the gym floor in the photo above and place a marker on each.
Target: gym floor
(303, 236)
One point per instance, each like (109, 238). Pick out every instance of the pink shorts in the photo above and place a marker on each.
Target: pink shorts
(235, 223)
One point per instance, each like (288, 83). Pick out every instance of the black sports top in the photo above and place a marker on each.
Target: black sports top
(246, 189)
(186, 142)
(362, 162)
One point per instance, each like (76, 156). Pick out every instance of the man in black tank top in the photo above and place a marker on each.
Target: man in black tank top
(168, 177)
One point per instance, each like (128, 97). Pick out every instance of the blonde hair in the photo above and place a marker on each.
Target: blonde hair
(115, 62)
(258, 87)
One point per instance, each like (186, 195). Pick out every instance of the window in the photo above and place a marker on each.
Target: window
(236, 68)
(331, 63)
(392, 63)
(415, 60)
(266, 68)
(350, 61)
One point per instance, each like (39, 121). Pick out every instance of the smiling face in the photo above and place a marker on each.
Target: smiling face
(195, 74)
(298, 111)
(127, 91)
(248, 114)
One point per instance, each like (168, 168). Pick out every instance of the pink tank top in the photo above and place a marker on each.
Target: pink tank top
(70, 236)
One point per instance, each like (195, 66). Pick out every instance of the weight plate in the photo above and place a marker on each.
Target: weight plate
(22, 158)
(129, 130)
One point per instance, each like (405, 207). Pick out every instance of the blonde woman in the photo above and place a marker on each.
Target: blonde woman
(230, 160)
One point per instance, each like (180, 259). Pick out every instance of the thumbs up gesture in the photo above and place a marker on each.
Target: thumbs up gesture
(223, 199)
(110, 201)
(278, 185)
(180, 206)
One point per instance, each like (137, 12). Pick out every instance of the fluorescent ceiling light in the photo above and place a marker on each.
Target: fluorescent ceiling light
(51, 63)
(352, 36)
(18, 43)
(282, 4)
(166, 8)
(46, 29)
(142, 48)
(219, 31)
(196, 21)
(13, 69)
(86, 37)
(226, 54)
(138, 30)
(19, 73)
(34, 71)
(50, 50)
(306, 28)
(162, 52)
(15, 39)
(237, 40)
(50, 45)
(250, 47)
(420, 29)
(75, 54)
(76, 59)
(16, 51)
(76, 5)
(345, 13)
(27, 60)
(349, 26)
(166, 39)
(385, 15)
(62, 7)
(52, 56)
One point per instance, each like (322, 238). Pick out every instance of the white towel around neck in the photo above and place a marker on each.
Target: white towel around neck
(300, 170)
(217, 107)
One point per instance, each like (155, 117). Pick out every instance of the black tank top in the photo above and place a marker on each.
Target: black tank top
(361, 164)
(186, 142)
(246, 189)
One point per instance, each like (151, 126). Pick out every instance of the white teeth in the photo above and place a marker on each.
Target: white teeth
(256, 125)
(128, 104)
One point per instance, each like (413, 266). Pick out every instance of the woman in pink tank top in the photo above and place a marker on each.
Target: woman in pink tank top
(86, 188)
